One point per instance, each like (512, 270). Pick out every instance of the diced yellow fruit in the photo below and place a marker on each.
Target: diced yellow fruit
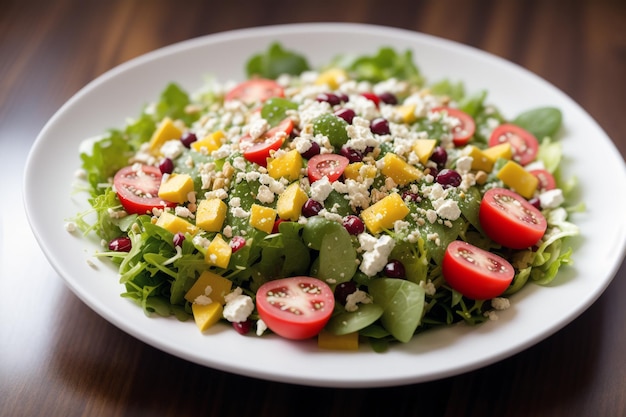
(424, 148)
(218, 253)
(384, 213)
(219, 285)
(175, 224)
(359, 171)
(166, 130)
(210, 214)
(206, 315)
(503, 150)
(327, 340)
(262, 218)
(518, 179)
(399, 170)
(286, 165)
(211, 142)
(176, 188)
(407, 113)
(290, 202)
(332, 78)
(480, 161)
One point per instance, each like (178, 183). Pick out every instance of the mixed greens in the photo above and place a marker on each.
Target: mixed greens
(392, 261)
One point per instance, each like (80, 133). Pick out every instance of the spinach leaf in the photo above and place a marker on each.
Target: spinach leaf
(275, 62)
(541, 122)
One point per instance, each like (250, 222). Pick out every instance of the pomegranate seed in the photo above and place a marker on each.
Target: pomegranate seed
(236, 243)
(120, 244)
(312, 151)
(329, 98)
(535, 203)
(343, 97)
(394, 269)
(179, 238)
(243, 327)
(311, 208)
(431, 171)
(346, 114)
(388, 98)
(188, 138)
(166, 166)
(449, 178)
(409, 196)
(343, 290)
(352, 154)
(439, 156)
(373, 97)
(353, 224)
(380, 126)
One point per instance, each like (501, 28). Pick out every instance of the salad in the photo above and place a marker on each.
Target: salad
(354, 202)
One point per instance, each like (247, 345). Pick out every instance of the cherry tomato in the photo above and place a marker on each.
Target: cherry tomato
(255, 91)
(546, 179)
(138, 190)
(507, 218)
(523, 143)
(295, 308)
(462, 133)
(474, 272)
(258, 150)
(328, 165)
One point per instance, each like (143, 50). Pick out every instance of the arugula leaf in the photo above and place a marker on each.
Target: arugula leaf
(275, 62)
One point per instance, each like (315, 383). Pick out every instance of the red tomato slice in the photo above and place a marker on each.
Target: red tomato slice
(328, 165)
(546, 179)
(295, 308)
(255, 91)
(258, 150)
(474, 272)
(138, 190)
(507, 218)
(466, 128)
(524, 144)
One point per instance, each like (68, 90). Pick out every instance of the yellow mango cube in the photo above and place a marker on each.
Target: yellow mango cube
(262, 218)
(175, 224)
(399, 170)
(518, 179)
(503, 150)
(211, 142)
(176, 188)
(218, 253)
(332, 77)
(480, 161)
(327, 340)
(166, 130)
(384, 213)
(209, 282)
(424, 148)
(210, 214)
(290, 202)
(286, 165)
(407, 113)
(206, 315)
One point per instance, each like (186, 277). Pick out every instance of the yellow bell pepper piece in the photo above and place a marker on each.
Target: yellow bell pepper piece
(287, 165)
(206, 315)
(218, 253)
(176, 188)
(384, 213)
(518, 179)
(399, 170)
(290, 202)
(262, 218)
(166, 130)
(210, 214)
(219, 285)
(175, 224)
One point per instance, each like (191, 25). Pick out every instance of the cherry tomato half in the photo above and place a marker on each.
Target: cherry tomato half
(463, 132)
(138, 190)
(546, 179)
(295, 308)
(256, 90)
(523, 143)
(474, 272)
(328, 165)
(258, 150)
(507, 218)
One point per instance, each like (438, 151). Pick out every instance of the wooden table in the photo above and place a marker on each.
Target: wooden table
(58, 358)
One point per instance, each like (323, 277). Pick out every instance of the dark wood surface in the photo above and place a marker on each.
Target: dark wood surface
(59, 358)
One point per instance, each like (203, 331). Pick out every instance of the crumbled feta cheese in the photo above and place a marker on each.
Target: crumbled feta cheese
(355, 298)
(375, 259)
(261, 327)
(321, 189)
(551, 198)
(265, 195)
(172, 149)
(500, 303)
(238, 306)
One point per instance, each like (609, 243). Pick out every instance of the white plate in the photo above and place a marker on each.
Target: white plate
(536, 312)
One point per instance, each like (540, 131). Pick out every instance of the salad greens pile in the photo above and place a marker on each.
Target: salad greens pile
(157, 273)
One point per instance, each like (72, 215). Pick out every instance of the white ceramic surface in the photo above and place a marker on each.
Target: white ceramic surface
(536, 312)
